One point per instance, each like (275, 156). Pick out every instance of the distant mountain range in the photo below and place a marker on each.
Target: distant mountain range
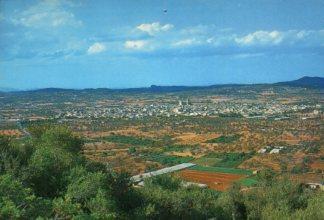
(3, 89)
(306, 81)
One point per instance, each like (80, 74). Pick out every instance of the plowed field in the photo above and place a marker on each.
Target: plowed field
(217, 181)
(317, 165)
(12, 132)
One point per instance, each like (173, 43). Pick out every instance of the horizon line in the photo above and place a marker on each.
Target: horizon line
(5, 89)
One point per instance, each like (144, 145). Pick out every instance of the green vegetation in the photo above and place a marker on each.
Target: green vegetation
(207, 161)
(45, 176)
(221, 170)
(179, 148)
(123, 139)
(167, 159)
(223, 159)
(225, 139)
(250, 181)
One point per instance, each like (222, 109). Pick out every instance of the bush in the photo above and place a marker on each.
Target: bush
(19, 202)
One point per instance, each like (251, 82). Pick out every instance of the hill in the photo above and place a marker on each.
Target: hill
(306, 81)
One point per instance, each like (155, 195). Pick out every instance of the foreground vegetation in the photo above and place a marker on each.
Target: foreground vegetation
(47, 176)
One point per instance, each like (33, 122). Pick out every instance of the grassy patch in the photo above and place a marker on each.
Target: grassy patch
(225, 139)
(207, 161)
(221, 170)
(166, 159)
(231, 160)
(250, 181)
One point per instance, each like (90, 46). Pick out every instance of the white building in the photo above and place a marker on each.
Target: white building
(275, 151)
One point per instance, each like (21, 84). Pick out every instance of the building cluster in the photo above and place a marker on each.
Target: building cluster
(144, 109)
(271, 149)
(254, 110)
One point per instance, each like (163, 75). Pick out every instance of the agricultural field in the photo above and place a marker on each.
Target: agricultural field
(215, 129)
(11, 132)
(219, 181)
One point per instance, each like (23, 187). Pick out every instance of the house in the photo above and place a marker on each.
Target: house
(275, 151)
(315, 186)
(262, 151)
(255, 172)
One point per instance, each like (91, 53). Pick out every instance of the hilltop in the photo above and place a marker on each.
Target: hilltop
(306, 81)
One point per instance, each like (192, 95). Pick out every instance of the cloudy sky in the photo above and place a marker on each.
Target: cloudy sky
(128, 43)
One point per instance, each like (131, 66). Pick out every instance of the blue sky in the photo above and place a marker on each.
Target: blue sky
(127, 43)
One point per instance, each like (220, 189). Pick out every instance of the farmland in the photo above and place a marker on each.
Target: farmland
(215, 180)
(222, 170)
(225, 139)
(220, 129)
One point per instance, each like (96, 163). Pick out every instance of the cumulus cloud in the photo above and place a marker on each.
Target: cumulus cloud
(210, 41)
(96, 48)
(154, 28)
(46, 14)
(260, 38)
(135, 44)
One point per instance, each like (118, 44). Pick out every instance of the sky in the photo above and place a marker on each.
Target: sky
(128, 43)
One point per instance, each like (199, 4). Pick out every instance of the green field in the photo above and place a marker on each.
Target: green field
(166, 159)
(230, 160)
(225, 139)
(221, 170)
(250, 181)
(207, 161)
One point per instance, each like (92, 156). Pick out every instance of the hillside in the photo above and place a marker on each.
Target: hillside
(306, 81)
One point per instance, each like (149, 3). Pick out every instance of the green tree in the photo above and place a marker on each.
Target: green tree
(19, 202)
(61, 137)
(46, 170)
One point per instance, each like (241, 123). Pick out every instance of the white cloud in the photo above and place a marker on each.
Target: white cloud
(247, 55)
(135, 44)
(46, 14)
(261, 38)
(186, 42)
(96, 48)
(154, 28)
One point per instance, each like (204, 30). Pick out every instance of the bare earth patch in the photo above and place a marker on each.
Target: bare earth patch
(193, 138)
(217, 181)
(11, 132)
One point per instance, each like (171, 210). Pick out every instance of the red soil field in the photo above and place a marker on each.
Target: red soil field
(12, 132)
(217, 181)
(317, 165)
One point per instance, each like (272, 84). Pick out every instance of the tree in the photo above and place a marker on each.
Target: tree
(233, 203)
(61, 137)
(18, 202)
(164, 197)
(132, 150)
(46, 170)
